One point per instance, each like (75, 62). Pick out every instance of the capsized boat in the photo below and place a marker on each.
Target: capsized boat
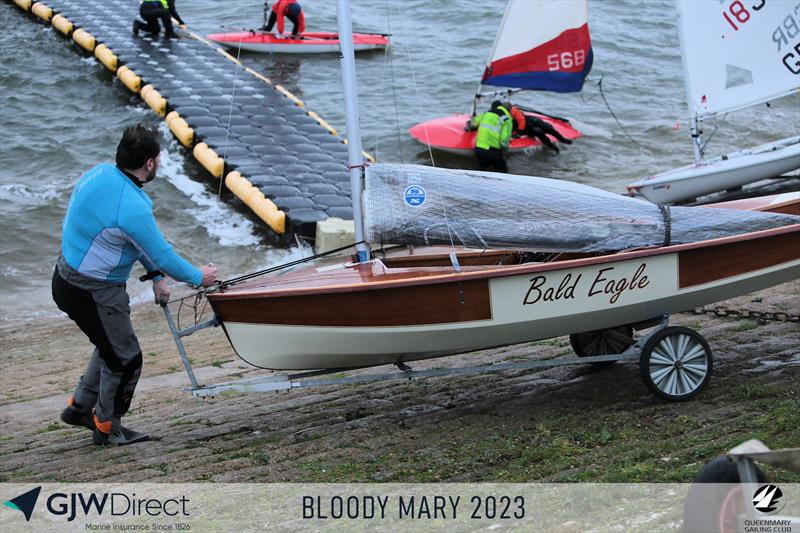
(738, 67)
(304, 43)
(548, 258)
(554, 54)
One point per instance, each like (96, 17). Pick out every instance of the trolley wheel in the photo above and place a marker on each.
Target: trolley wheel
(715, 500)
(676, 363)
(602, 342)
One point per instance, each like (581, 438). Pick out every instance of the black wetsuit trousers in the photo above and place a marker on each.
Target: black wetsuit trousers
(292, 17)
(152, 12)
(491, 159)
(102, 312)
(541, 129)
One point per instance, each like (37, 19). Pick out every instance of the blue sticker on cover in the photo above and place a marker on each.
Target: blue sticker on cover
(415, 195)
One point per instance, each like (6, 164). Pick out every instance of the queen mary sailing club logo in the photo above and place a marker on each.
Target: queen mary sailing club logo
(25, 502)
(768, 499)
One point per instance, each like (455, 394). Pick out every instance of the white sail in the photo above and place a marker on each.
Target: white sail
(738, 53)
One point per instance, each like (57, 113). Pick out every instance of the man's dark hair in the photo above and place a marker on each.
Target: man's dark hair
(138, 144)
(496, 105)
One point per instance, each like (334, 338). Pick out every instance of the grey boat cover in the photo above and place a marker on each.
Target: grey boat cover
(414, 204)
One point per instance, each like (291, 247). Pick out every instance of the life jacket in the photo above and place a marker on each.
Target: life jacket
(493, 130)
(164, 3)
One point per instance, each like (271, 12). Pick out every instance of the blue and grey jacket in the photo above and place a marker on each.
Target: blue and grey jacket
(109, 225)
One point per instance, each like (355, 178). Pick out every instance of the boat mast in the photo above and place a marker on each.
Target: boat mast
(354, 157)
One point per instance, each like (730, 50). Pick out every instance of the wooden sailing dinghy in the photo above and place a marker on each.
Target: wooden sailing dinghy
(525, 259)
(614, 270)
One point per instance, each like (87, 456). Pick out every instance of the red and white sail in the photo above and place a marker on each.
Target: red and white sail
(541, 45)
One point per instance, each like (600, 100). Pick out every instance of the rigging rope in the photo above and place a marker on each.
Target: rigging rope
(600, 86)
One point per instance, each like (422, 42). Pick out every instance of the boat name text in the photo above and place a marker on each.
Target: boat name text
(604, 283)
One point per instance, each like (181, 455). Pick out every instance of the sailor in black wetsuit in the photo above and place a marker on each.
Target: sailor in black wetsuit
(535, 127)
(154, 10)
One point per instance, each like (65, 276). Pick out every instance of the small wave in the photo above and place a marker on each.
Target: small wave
(226, 225)
(19, 193)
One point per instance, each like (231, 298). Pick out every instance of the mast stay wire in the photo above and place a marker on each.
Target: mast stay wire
(410, 56)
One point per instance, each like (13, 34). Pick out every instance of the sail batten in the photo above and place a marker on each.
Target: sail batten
(541, 45)
(737, 54)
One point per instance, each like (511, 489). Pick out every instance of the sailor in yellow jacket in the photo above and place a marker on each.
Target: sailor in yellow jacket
(494, 133)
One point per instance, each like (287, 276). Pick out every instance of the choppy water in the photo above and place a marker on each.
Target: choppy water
(62, 114)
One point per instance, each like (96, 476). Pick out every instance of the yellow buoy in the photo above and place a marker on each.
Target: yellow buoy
(258, 75)
(24, 4)
(262, 206)
(62, 24)
(42, 11)
(106, 57)
(180, 129)
(129, 79)
(209, 159)
(154, 99)
(281, 89)
(85, 39)
(322, 122)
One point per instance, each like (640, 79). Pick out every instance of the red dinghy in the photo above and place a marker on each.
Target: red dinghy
(447, 134)
(306, 43)
(554, 55)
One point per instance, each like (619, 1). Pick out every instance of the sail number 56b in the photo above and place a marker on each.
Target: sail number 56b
(566, 60)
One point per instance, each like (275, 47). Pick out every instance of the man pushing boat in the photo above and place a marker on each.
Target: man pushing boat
(109, 225)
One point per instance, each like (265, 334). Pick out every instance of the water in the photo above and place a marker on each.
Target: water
(62, 113)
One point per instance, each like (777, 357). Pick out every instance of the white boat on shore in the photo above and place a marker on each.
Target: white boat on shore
(730, 63)
(728, 171)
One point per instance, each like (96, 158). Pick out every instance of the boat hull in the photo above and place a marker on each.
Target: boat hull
(472, 311)
(309, 43)
(719, 174)
(447, 134)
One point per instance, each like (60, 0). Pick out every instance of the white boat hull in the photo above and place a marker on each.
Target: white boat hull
(722, 173)
(584, 308)
(323, 48)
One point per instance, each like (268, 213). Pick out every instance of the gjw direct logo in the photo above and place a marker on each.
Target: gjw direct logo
(77, 504)
(768, 499)
(25, 502)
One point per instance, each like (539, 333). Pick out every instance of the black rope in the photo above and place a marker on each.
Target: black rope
(600, 86)
(667, 216)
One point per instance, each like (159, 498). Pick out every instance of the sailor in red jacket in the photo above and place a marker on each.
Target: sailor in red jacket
(285, 8)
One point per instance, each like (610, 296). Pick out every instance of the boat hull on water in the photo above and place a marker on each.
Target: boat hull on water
(306, 43)
(447, 134)
(724, 172)
(381, 312)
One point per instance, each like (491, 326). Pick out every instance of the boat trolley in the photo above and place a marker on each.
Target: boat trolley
(675, 362)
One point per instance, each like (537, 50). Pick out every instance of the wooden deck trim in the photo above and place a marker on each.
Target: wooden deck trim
(735, 258)
(400, 306)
